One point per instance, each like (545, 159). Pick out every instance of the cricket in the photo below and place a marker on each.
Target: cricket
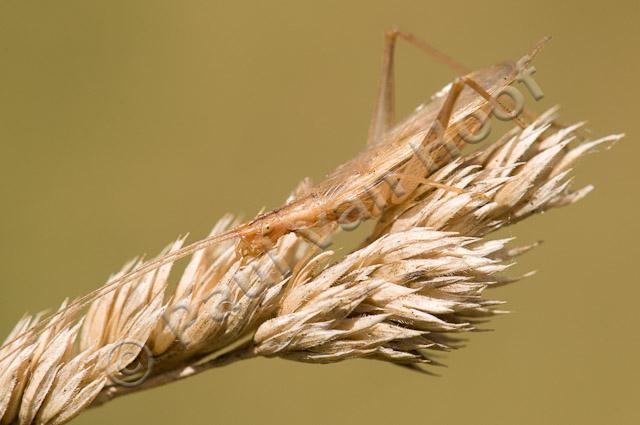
(398, 159)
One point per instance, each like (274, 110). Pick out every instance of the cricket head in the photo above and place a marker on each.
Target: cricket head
(260, 235)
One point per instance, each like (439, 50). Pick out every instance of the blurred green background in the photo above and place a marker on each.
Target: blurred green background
(126, 123)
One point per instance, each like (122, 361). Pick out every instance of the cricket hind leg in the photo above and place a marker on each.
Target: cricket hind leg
(426, 159)
(384, 112)
(383, 117)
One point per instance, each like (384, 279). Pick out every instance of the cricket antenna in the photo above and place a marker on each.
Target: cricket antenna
(50, 320)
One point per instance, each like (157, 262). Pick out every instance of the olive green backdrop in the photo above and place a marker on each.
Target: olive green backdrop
(126, 123)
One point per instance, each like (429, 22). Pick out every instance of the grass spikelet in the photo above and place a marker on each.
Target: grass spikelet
(413, 286)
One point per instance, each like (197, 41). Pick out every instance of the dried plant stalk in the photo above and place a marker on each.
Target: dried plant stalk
(414, 284)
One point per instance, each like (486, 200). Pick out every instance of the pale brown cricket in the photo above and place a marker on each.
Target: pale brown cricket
(397, 156)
